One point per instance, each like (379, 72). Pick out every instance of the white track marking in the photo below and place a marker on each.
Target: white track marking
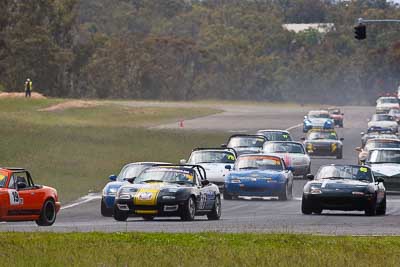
(294, 127)
(82, 200)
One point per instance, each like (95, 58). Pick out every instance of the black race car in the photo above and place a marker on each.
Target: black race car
(323, 143)
(169, 190)
(344, 187)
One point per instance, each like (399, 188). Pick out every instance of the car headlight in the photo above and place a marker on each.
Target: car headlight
(126, 192)
(315, 190)
(309, 147)
(110, 191)
(307, 123)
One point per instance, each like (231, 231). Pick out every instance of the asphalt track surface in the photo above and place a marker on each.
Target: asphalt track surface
(245, 215)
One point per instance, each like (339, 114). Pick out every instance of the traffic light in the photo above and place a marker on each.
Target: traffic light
(360, 31)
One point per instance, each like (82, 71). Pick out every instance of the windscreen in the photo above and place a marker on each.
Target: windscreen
(344, 172)
(382, 117)
(322, 135)
(381, 144)
(199, 157)
(165, 175)
(283, 147)
(246, 142)
(131, 171)
(258, 162)
(387, 101)
(276, 136)
(384, 156)
(317, 114)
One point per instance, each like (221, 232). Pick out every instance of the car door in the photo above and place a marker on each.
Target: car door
(30, 196)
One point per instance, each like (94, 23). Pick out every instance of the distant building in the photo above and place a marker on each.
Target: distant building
(299, 27)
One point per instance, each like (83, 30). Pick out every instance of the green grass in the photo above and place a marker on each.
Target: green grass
(76, 150)
(208, 249)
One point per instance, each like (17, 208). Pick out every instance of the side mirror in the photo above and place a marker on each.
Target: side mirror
(130, 179)
(182, 161)
(341, 139)
(113, 177)
(380, 180)
(290, 168)
(310, 177)
(228, 167)
(357, 149)
(305, 117)
(342, 114)
(223, 145)
(362, 133)
(205, 182)
(303, 139)
(21, 185)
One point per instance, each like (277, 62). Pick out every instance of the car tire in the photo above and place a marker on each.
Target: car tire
(148, 217)
(106, 212)
(48, 213)
(339, 155)
(215, 214)
(189, 210)
(120, 215)
(227, 196)
(307, 172)
(371, 209)
(381, 210)
(317, 211)
(305, 207)
(283, 196)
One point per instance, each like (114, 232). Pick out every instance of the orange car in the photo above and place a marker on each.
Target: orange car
(22, 200)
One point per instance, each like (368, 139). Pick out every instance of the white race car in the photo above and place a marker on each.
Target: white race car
(214, 161)
(383, 121)
(294, 155)
(386, 103)
(385, 163)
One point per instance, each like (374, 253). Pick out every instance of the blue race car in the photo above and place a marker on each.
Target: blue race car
(259, 175)
(319, 119)
(127, 173)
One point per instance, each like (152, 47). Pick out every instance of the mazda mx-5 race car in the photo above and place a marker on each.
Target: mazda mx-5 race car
(126, 175)
(23, 200)
(317, 119)
(337, 116)
(344, 187)
(275, 135)
(214, 161)
(323, 143)
(169, 190)
(294, 155)
(259, 175)
(246, 143)
(385, 163)
(384, 121)
(377, 132)
(395, 113)
(386, 103)
(374, 144)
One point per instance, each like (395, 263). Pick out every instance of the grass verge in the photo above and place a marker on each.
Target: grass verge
(76, 150)
(207, 249)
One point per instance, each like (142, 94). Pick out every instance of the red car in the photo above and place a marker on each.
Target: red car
(22, 200)
(337, 116)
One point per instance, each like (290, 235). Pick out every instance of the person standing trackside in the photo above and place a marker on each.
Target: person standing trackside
(28, 87)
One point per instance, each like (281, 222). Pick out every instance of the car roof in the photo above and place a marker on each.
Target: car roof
(386, 148)
(271, 130)
(291, 142)
(344, 165)
(318, 111)
(259, 154)
(383, 139)
(13, 169)
(387, 97)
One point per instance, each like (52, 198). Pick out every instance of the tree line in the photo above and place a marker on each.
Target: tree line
(209, 49)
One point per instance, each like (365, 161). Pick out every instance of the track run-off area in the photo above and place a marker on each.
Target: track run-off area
(243, 215)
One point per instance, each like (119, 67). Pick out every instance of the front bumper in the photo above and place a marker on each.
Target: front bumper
(337, 201)
(162, 208)
(255, 189)
(323, 151)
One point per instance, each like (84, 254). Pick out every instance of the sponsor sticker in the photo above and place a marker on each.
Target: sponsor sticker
(363, 169)
(145, 196)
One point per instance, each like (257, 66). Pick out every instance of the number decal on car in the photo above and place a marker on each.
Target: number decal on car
(14, 198)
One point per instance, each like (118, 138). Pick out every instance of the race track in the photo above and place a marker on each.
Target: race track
(245, 215)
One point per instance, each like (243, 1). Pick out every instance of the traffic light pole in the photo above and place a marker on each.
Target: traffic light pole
(360, 30)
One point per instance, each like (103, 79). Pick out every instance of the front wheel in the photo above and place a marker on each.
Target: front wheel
(148, 217)
(47, 214)
(120, 215)
(305, 206)
(339, 155)
(226, 195)
(382, 207)
(215, 214)
(307, 172)
(106, 212)
(189, 210)
(371, 209)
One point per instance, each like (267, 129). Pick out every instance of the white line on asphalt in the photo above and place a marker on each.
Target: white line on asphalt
(82, 200)
(294, 127)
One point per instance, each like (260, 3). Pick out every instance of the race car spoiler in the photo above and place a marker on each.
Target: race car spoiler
(217, 148)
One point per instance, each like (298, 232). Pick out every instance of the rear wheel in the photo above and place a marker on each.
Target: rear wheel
(381, 210)
(227, 196)
(106, 212)
(305, 206)
(47, 214)
(120, 215)
(215, 214)
(189, 210)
